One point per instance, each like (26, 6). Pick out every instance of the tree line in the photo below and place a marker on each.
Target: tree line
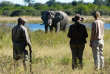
(34, 9)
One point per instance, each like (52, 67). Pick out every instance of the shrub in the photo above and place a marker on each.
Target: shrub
(65, 60)
(6, 13)
(18, 12)
(28, 12)
(69, 12)
(37, 60)
(32, 12)
(48, 60)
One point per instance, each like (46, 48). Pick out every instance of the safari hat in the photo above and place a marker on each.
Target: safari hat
(21, 20)
(77, 18)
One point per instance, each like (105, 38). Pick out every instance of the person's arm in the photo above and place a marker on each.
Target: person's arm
(93, 30)
(27, 40)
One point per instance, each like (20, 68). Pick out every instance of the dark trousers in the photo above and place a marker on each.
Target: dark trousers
(77, 53)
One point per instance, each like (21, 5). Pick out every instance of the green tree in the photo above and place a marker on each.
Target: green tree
(107, 2)
(41, 8)
(74, 3)
(93, 7)
(58, 6)
(39, 4)
(28, 2)
(6, 3)
(98, 2)
(81, 2)
(103, 10)
(17, 5)
(51, 2)
(82, 9)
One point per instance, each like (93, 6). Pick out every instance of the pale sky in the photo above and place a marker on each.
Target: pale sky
(43, 1)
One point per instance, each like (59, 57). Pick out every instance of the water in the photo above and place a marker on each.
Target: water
(35, 27)
(106, 25)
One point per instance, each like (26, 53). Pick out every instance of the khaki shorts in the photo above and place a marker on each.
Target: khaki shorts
(20, 52)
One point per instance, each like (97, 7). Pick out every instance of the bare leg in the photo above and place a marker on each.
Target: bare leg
(25, 66)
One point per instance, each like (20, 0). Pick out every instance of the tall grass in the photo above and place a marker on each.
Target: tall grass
(51, 54)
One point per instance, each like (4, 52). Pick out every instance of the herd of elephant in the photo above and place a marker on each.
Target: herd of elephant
(55, 19)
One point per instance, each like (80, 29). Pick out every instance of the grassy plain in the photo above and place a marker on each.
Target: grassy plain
(30, 19)
(51, 54)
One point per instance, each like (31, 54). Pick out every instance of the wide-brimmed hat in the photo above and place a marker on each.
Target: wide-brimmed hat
(21, 20)
(77, 18)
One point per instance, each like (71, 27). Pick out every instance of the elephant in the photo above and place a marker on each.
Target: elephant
(57, 19)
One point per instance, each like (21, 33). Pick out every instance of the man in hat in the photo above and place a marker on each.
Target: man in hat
(20, 40)
(96, 41)
(77, 34)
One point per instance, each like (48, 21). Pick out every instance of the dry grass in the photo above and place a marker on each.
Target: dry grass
(89, 19)
(55, 67)
(30, 19)
(14, 19)
(48, 52)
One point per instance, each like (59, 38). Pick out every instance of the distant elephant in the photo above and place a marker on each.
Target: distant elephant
(57, 19)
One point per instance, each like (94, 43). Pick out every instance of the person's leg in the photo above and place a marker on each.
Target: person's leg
(74, 56)
(80, 55)
(95, 50)
(15, 57)
(101, 53)
(25, 60)
(15, 67)
(25, 65)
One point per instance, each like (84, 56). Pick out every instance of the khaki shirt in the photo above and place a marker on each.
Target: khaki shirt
(20, 35)
(97, 30)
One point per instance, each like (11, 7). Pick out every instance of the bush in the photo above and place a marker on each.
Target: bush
(65, 60)
(37, 60)
(32, 12)
(0, 12)
(41, 7)
(48, 60)
(27, 12)
(6, 13)
(69, 12)
(18, 13)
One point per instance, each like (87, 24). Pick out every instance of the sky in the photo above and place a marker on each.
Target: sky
(43, 1)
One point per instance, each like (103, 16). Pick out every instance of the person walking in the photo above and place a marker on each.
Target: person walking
(20, 40)
(96, 41)
(77, 34)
